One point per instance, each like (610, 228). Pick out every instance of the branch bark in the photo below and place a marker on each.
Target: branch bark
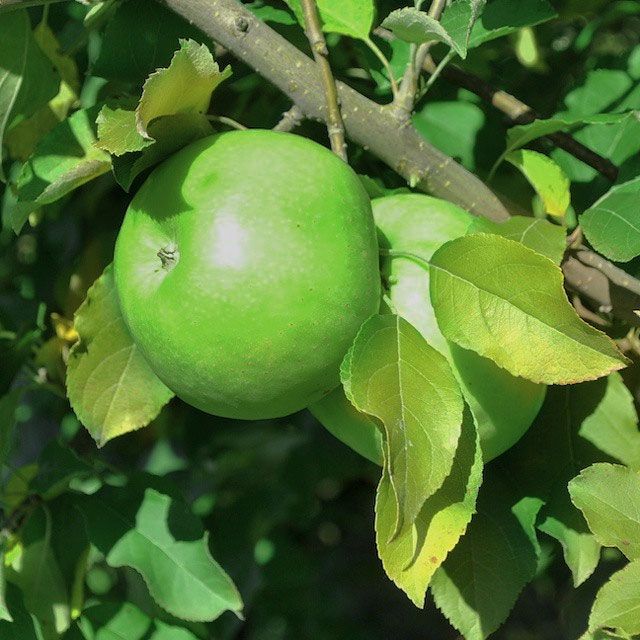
(335, 126)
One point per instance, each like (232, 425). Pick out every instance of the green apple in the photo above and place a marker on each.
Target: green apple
(245, 265)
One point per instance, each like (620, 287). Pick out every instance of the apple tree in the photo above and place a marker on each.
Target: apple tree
(319, 319)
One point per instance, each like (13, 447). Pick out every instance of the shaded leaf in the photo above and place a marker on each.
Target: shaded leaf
(617, 605)
(411, 559)
(502, 17)
(37, 573)
(609, 497)
(563, 522)
(160, 538)
(392, 374)
(141, 37)
(346, 423)
(480, 580)
(538, 234)
(546, 177)
(124, 620)
(22, 139)
(506, 302)
(611, 224)
(110, 386)
(24, 625)
(27, 80)
(63, 160)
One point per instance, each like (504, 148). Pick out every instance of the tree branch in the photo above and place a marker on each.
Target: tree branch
(335, 126)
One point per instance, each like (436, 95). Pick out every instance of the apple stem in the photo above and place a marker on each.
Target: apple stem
(169, 256)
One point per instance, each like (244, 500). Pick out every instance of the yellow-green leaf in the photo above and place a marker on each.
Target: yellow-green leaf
(412, 558)
(546, 177)
(536, 233)
(110, 386)
(392, 374)
(617, 605)
(506, 302)
(185, 86)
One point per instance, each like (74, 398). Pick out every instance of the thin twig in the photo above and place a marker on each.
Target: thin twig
(335, 126)
(405, 98)
(290, 119)
(520, 113)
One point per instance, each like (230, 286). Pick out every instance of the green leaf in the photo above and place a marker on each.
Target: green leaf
(482, 577)
(185, 86)
(5, 613)
(349, 17)
(58, 466)
(118, 133)
(37, 573)
(563, 522)
(117, 621)
(110, 386)
(546, 177)
(416, 225)
(502, 17)
(170, 133)
(412, 25)
(392, 374)
(577, 426)
(346, 423)
(522, 134)
(538, 234)
(22, 139)
(27, 80)
(159, 537)
(63, 160)
(613, 425)
(141, 37)
(452, 127)
(611, 224)
(506, 302)
(609, 497)
(411, 559)
(458, 20)
(617, 605)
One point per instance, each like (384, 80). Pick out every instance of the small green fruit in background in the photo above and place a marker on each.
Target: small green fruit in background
(245, 266)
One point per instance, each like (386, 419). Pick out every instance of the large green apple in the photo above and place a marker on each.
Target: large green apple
(245, 266)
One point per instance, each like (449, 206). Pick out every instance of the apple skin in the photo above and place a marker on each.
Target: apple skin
(245, 265)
